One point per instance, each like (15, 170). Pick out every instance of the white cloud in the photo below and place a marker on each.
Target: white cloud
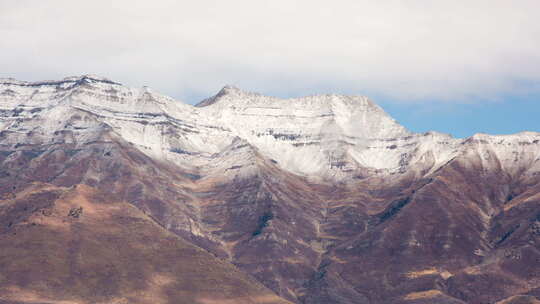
(408, 50)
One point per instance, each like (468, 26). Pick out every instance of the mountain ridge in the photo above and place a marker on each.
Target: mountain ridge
(223, 91)
(311, 124)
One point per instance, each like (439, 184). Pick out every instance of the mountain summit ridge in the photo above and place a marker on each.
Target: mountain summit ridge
(331, 135)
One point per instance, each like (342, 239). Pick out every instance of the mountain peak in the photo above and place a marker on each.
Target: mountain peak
(90, 77)
(236, 96)
(230, 88)
(234, 91)
(228, 91)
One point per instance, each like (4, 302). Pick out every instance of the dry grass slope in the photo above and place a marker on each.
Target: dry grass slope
(77, 246)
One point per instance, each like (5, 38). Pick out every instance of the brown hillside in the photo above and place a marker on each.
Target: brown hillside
(76, 245)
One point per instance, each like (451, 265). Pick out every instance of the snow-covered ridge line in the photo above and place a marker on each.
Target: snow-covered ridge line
(232, 92)
(329, 135)
(72, 79)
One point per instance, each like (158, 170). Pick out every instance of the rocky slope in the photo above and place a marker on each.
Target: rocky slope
(322, 199)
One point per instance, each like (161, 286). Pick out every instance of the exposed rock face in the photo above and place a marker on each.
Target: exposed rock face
(322, 199)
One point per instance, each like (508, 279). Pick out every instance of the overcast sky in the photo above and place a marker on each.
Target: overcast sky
(416, 58)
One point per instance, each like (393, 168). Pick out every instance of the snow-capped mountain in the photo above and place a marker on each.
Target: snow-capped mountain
(321, 199)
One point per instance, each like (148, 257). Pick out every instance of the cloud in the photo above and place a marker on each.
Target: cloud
(412, 51)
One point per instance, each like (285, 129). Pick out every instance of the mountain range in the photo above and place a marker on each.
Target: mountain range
(111, 194)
